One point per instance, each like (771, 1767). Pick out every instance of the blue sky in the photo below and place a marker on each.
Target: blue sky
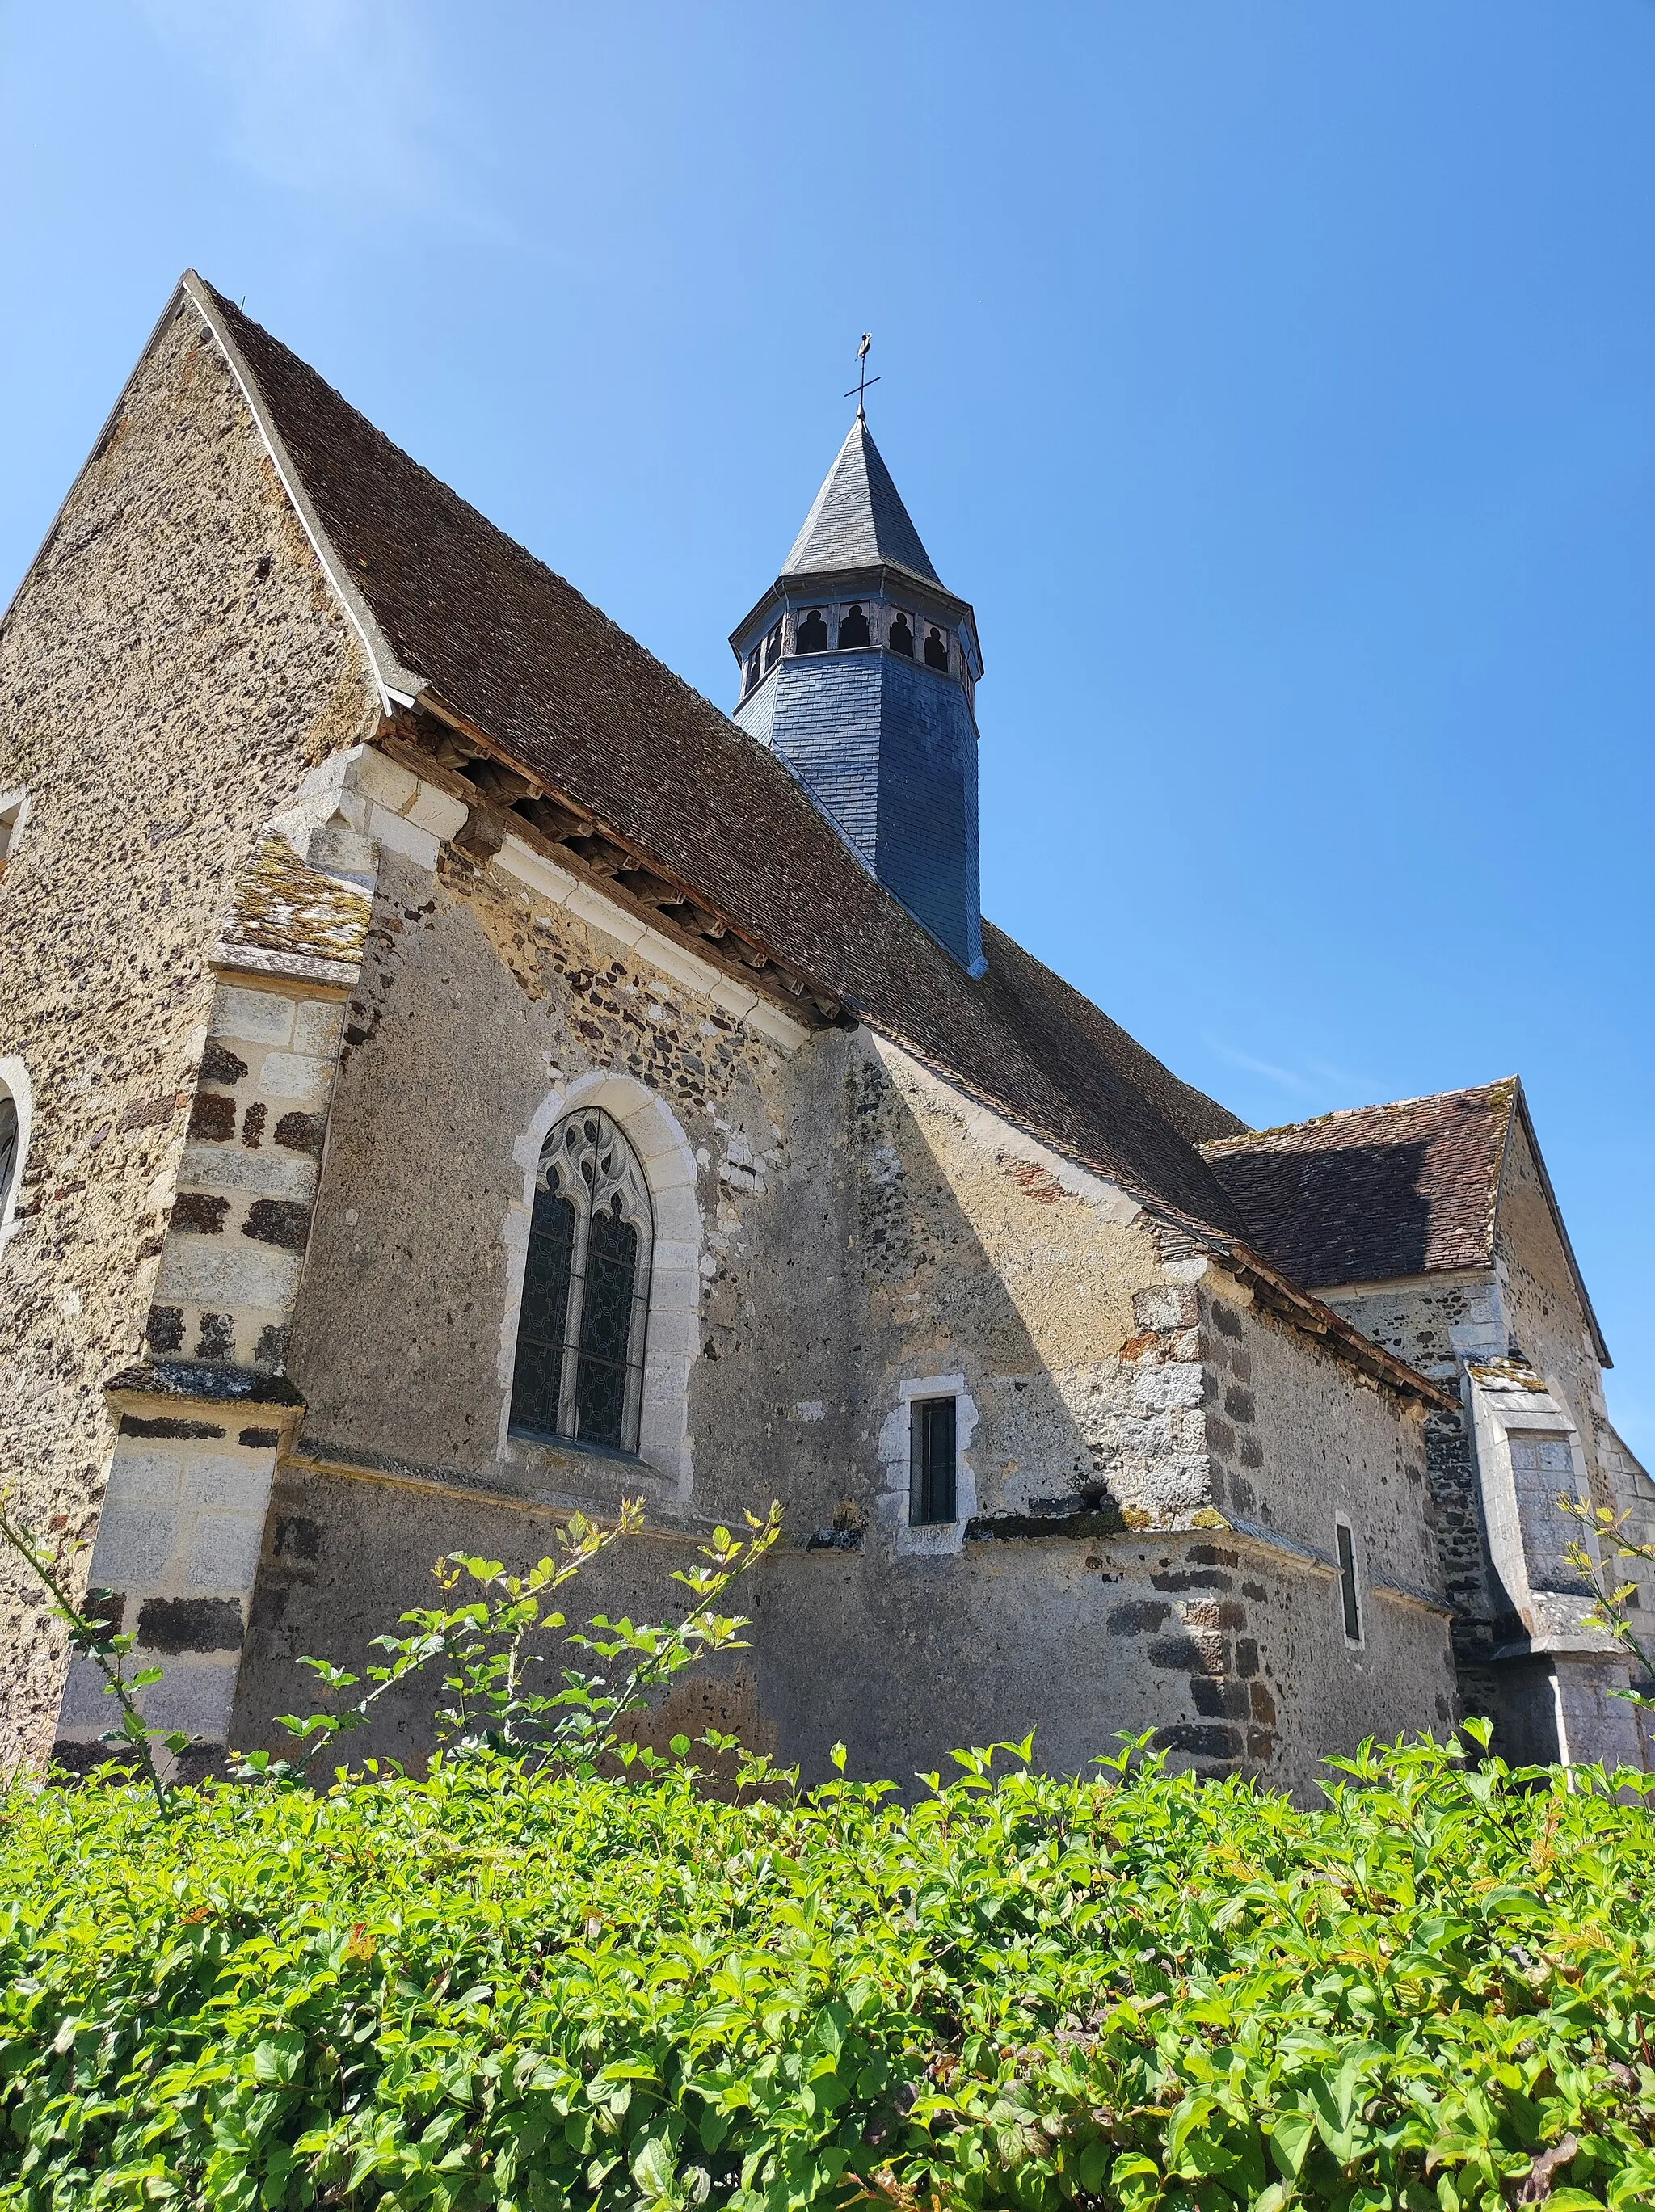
(1276, 379)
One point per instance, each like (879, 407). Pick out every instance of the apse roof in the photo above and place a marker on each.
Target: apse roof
(1382, 1192)
(858, 520)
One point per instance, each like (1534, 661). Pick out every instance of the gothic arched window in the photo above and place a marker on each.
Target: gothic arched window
(852, 627)
(901, 634)
(936, 648)
(585, 1288)
(812, 633)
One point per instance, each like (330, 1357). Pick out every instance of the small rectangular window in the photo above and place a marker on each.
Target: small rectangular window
(930, 1472)
(1352, 1617)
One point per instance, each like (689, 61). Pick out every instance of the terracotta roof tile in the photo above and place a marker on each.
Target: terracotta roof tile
(557, 686)
(1377, 1193)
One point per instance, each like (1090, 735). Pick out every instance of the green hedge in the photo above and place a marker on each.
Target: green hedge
(485, 1988)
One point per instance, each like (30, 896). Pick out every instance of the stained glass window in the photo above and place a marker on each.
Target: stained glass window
(585, 1289)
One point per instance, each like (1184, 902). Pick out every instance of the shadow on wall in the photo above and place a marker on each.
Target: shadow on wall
(1356, 1214)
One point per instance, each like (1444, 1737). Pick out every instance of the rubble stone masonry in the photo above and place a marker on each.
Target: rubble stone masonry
(172, 664)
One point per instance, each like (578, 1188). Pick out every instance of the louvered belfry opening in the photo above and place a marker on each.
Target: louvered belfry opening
(584, 1317)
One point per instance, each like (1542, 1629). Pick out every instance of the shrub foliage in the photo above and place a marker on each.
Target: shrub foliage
(491, 1987)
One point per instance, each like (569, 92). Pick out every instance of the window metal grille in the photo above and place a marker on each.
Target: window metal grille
(1352, 1617)
(579, 1369)
(931, 1464)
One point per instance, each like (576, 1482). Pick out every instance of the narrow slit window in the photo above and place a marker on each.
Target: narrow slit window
(580, 1370)
(931, 1496)
(812, 635)
(754, 668)
(1352, 1615)
(852, 627)
(9, 1135)
(772, 646)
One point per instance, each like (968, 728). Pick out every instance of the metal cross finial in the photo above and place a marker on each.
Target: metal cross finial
(859, 389)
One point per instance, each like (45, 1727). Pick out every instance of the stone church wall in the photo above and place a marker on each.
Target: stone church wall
(860, 1234)
(170, 666)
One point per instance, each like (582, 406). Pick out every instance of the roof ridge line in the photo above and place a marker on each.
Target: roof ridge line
(1349, 1112)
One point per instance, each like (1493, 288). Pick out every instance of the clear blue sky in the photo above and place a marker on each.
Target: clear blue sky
(1278, 378)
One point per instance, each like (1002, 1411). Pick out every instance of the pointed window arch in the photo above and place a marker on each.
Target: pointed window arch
(579, 1367)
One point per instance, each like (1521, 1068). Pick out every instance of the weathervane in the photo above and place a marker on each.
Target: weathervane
(860, 388)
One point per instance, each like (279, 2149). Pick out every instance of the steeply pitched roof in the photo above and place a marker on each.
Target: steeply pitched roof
(460, 612)
(1377, 1193)
(858, 519)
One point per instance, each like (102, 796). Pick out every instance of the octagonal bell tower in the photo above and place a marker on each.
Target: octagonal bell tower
(860, 671)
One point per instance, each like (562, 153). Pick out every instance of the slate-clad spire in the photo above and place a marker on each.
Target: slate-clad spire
(858, 520)
(859, 670)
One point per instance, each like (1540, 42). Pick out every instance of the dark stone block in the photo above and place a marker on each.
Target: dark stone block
(133, 1425)
(1239, 1403)
(282, 1221)
(1218, 1701)
(1191, 1654)
(109, 1606)
(1261, 1744)
(1221, 1436)
(164, 1330)
(298, 1537)
(302, 1132)
(1184, 1579)
(271, 1350)
(75, 1759)
(1207, 1739)
(190, 1624)
(1253, 1452)
(1226, 1321)
(219, 1065)
(1254, 1591)
(199, 1212)
(1209, 1555)
(1262, 1705)
(1246, 1656)
(217, 1339)
(252, 1125)
(212, 1117)
(260, 1439)
(1140, 1618)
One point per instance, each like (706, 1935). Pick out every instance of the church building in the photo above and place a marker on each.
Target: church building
(452, 1075)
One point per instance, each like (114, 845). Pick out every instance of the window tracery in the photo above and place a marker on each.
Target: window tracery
(581, 1329)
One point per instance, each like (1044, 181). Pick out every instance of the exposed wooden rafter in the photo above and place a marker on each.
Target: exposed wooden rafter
(435, 741)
